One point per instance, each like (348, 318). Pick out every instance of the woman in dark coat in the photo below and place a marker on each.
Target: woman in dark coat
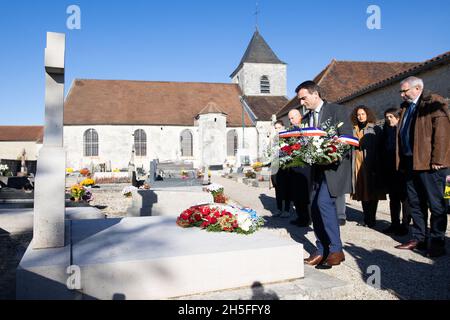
(366, 165)
(393, 180)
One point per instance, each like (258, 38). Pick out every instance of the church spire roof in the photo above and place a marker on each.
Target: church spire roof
(258, 51)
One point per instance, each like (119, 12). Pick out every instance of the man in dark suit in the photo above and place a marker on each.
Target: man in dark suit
(299, 183)
(330, 181)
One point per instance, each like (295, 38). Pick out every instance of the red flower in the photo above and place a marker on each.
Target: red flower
(287, 149)
(205, 211)
(213, 220)
(204, 225)
(296, 146)
(184, 216)
(198, 217)
(217, 214)
(333, 149)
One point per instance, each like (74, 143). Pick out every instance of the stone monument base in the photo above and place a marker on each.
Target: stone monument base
(153, 258)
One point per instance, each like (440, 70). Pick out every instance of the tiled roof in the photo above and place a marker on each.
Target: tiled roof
(22, 133)
(121, 102)
(265, 106)
(341, 78)
(258, 51)
(413, 70)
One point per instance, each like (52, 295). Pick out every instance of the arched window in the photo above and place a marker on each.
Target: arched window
(232, 143)
(90, 143)
(186, 143)
(265, 84)
(140, 143)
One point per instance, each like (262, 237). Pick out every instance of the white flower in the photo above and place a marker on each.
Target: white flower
(244, 221)
(214, 187)
(128, 189)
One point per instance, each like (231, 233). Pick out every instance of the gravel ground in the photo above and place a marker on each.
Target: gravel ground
(109, 199)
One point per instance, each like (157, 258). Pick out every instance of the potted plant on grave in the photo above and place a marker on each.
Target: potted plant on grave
(77, 192)
(88, 182)
(4, 170)
(128, 191)
(85, 172)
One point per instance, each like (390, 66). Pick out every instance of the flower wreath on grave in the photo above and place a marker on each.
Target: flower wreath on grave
(218, 218)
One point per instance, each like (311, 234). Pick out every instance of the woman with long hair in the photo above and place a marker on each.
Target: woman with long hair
(366, 164)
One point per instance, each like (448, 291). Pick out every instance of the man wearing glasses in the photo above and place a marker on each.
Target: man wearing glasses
(423, 153)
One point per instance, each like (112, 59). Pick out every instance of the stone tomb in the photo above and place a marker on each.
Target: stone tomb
(153, 258)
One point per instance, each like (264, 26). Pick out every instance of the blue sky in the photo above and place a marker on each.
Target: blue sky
(202, 40)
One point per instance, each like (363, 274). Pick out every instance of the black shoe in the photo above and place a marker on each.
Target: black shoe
(402, 231)
(301, 223)
(342, 222)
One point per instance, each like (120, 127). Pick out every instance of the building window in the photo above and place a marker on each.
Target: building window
(90, 143)
(140, 143)
(265, 84)
(232, 143)
(186, 143)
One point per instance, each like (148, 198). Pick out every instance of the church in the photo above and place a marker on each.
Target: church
(106, 122)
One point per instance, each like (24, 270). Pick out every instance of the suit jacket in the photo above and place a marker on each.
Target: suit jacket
(338, 175)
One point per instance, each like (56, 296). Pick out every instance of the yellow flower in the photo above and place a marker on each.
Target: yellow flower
(69, 170)
(87, 182)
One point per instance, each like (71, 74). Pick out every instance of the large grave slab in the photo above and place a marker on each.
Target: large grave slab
(153, 258)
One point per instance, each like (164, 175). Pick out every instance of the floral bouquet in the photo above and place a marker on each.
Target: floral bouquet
(4, 169)
(127, 191)
(87, 182)
(309, 146)
(80, 193)
(84, 172)
(217, 192)
(215, 218)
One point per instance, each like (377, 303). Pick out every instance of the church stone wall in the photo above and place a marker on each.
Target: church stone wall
(163, 143)
(250, 78)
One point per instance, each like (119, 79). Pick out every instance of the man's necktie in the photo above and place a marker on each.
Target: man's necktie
(316, 119)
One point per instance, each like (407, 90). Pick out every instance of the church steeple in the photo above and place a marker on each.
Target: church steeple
(258, 51)
(260, 71)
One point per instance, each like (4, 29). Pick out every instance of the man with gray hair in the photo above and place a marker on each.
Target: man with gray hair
(423, 153)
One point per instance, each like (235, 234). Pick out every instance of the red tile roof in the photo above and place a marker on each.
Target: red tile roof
(121, 102)
(413, 70)
(341, 78)
(22, 133)
(265, 106)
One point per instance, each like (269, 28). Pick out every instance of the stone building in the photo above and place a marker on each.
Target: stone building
(15, 139)
(202, 123)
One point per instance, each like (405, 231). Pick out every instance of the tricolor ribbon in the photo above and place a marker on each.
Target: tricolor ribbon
(350, 140)
(307, 132)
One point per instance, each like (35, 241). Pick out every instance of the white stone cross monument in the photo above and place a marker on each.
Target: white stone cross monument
(49, 194)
